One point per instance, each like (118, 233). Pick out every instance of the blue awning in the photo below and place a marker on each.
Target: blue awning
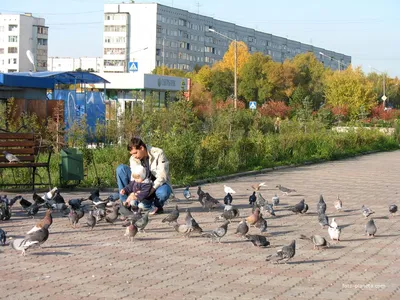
(63, 77)
(8, 81)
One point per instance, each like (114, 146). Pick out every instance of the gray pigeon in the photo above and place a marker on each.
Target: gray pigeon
(258, 240)
(201, 195)
(172, 217)
(210, 202)
(124, 211)
(191, 222)
(366, 211)
(73, 218)
(183, 229)
(260, 200)
(370, 228)
(228, 214)
(91, 220)
(131, 231)
(305, 209)
(321, 206)
(285, 190)
(269, 209)
(323, 220)
(113, 216)
(142, 223)
(299, 207)
(275, 200)
(10, 157)
(261, 224)
(286, 253)
(393, 209)
(3, 237)
(317, 240)
(217, 233)
(242, 228)
(186, 193)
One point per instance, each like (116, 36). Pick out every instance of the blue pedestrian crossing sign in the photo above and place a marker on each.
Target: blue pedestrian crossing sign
(253, 105)
(133, 66)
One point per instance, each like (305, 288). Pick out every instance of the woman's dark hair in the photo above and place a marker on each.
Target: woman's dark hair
(136, 143)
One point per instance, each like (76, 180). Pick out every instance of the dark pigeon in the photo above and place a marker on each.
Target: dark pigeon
(217, 233)
(321, 206)
(3, 237)
(142, 223)
(242, 228)
(258, 240)
(172, 217)
(393, 209)
(228, 199)
(370, 228)
(284, 254)
(252, 199)
(317, 240)
(91, 220)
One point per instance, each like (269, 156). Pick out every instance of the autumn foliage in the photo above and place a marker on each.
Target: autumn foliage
(275, 109)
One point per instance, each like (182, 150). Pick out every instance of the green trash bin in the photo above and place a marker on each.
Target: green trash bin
(71, 166)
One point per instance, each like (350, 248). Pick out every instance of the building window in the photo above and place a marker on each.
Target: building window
(42, 42)
(1, 50)
(12, 27)
(42, 64)
(115, 28)
(12, 61)
(13, 39)
(114, 51)
(159, 29)
(12, 50)
(42, 30)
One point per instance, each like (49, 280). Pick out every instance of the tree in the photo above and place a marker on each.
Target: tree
(169, 72)
(221, 84)
(252, 77)
(350, 87)
(203, 77)
(228, 61)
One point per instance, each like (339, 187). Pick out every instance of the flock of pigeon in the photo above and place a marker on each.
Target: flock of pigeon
(110, 210)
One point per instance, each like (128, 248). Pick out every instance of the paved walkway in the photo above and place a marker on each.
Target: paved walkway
(160, 264)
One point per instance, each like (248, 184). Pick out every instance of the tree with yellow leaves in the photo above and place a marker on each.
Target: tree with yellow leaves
(350, 88)
(228, 61)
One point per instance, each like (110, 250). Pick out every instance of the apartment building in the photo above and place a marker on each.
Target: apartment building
(18, 34)
(72, 64)
(141, 36)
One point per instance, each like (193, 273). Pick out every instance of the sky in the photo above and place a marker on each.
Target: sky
(366, 30)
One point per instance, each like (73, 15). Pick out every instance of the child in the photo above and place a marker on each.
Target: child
(138, 189)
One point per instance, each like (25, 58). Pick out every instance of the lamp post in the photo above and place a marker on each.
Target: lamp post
(338, 61)
(138, 50)
(384, 97)
(235, 71)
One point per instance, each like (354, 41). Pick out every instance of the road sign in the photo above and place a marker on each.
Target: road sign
(133, 66)
(384, 98)
(253, 105)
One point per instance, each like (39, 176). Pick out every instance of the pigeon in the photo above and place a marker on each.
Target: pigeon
(228, 214)
(25, 204)
(33, 209)
(299, 207)
(228, 199)
(11, 157)
(47, 219)
(366, 211)
(260, 200)
(258, 186)
(275, 200)
(172, 217)
(317, 240)
(183, 229)
(305, 209)
(3, 237)
(258, 240)
(334, 231)
(261, 224)
(5, 212)
(242, 228)
(73, 218)
(338, 204)
(269, 209)
(323, 220)
(253, 218)
(113, 216)
(252, 199)
(210, 202)
(321, 206)
(186, 193)
(37, 199)
(91, 220)
(50, 194)
(142, 223)
(393, 209)
(94, 195)
(201, 195)
(125, 211)
(35, 238)
(199, 191)
(191, 222)
(370, 228)
(99, 213)
(286, 253)
(75, 203)
(285, 190)
(131, 231)
(217, 233)
(12, 201)
(228, 190)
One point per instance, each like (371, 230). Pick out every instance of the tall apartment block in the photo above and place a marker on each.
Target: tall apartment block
(19, 33)
(142, 36)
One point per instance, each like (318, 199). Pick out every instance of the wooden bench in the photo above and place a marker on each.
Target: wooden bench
(28, 150)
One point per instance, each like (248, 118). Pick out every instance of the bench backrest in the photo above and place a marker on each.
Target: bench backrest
(21, 145)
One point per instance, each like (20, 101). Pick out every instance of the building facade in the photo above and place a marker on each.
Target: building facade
(138, 37)
(18, 34)
(72, 64)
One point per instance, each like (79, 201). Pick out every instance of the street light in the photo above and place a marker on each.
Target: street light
(384, 98)
(235, 75)
(138, 50)
(338, 61)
